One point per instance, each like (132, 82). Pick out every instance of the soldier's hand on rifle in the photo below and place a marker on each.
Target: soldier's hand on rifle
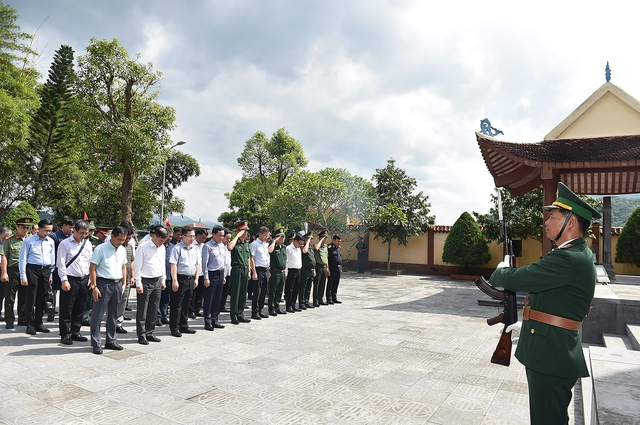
(506, 262)
(514, 329)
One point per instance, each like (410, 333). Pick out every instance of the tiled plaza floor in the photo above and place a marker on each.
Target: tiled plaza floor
(399, 350)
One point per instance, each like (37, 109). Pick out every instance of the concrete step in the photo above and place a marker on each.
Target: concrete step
(617, 342)
(633, 333)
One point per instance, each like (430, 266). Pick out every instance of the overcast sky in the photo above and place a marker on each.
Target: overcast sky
(358, 82)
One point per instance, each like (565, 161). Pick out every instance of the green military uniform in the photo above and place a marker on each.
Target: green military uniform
(306, 275)
(562, 284)
(11, 251)
(277, 265)
(361, 247)
(320, 280)
(239, 278)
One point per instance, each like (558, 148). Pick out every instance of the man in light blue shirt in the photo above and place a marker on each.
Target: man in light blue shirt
(185, 267)
(214, 261)
(107, 277)
(37, 259)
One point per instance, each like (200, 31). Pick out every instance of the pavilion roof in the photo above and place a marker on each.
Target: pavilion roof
(602, 165)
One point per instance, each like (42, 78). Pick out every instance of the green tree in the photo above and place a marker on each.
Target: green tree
(18, 96)
(628, 248)
(524, 213)
(399, 213)
(266, 164)
(23, 209)
(331, 199)
(54, 168)
(120, 119)
(465, 245)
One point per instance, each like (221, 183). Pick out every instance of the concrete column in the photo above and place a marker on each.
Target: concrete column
(606, 238)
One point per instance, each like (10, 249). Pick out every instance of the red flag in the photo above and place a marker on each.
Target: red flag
(167, 222)
(86, 217)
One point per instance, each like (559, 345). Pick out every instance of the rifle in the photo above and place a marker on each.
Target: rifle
(509, 315)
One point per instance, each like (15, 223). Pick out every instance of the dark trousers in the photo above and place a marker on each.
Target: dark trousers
(225, 292)
(319, 282)
(12, 290)
(260, 286)
(362, 261)
(238, 291)
(332, 282)
(212, 295)
(306, 281)
(197, 298)
(71, 306)
(276, 286)
(549, 398)
(147, 305)
(2, 290)
(180, 302)
(123, 303)
(111, 294)
(292, 287)
(165, 299)
(38, 278)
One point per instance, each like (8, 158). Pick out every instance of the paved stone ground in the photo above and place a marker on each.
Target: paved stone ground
(399, 350)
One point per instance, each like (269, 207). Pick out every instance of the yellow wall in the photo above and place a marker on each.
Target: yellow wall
(620, 268)
(416, 251)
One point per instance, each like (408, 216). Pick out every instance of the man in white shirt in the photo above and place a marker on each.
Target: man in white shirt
(259, 265)
(73, 260)
(294, 264)
(150, 274)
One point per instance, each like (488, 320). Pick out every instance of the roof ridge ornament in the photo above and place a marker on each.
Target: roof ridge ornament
(607, 72)
(485, 128)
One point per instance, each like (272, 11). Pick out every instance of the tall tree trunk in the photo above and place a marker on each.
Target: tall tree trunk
(127, 194)
(389, 256)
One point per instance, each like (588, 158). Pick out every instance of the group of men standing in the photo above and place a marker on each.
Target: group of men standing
(183, 274)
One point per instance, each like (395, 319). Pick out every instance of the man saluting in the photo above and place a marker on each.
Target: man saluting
(561, 287)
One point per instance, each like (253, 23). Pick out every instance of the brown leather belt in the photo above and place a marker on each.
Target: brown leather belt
(529, 314)
(239, 267)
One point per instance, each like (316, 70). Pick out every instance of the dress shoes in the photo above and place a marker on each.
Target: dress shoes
(127, 309)
(297, 309)
(316, 305)
(113, 346)
(30, 330)
(273, 313)
(51, 317)
(329, 302)
(66, 340)
(187, 330)
(302, 307)
(224, 310)
(86, 323)
(217, 325)
(235, 322)
(97, 350)
(153, 338)
(243, 320)
(199, 314)
(337, 302)
(164, 321)
(142, 340)
(125, 317)
(78, 337)
(264, 316)
(192, 315)
(208, 327)
(290, 310)
(256, 317)
(280, 312)
(158, 324)
(9, 325)
(309, 306)
(41, 328)
(176, 333)
(120, 330)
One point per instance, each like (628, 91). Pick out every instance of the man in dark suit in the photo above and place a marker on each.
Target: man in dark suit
(561, 286)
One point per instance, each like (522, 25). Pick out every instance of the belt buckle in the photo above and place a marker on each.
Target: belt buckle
(525, 312)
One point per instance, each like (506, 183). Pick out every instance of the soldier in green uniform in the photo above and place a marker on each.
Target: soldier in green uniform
(11, 274)
(307, 273)
(561, 287)
(361, 247)
(322, 260)
(240, 253)
(277, 265)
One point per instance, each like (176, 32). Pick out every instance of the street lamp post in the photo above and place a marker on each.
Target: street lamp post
(164, 177)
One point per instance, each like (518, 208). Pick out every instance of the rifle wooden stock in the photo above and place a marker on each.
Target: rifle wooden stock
(502, 355)
(498, 319)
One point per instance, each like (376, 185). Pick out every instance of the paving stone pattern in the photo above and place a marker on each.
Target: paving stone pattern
(399, 350)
